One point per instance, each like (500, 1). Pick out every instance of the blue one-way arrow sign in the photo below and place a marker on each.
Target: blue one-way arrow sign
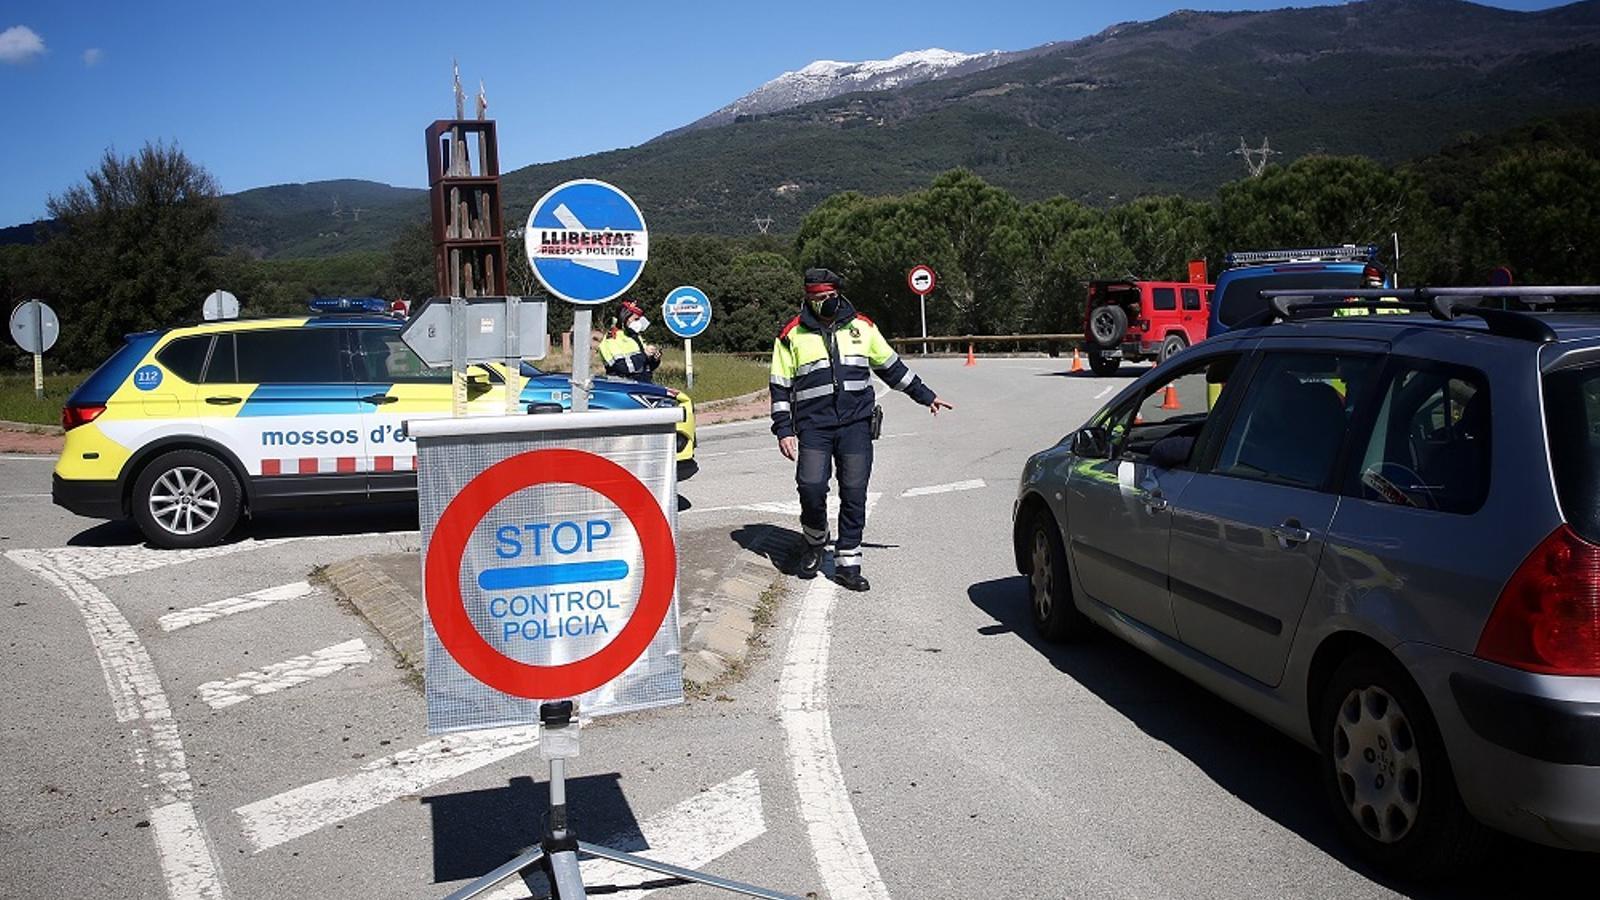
(687, 311)
(586, 241)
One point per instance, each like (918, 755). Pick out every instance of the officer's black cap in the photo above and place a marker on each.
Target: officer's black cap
(823, 277)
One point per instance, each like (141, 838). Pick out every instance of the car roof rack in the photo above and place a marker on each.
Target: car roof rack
(1442, 303)
(1365, 253)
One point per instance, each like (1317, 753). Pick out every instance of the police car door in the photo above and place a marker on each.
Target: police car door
(395, 386)
(283, 401)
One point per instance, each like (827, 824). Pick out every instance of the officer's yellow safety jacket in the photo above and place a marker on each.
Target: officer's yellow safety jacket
(822, 374)
(623, 354)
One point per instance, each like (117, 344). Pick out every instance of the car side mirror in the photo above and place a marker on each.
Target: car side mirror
(1171, 452)
(1093, 442)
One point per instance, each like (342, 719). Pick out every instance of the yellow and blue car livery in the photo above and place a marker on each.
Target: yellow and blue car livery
(185, 430)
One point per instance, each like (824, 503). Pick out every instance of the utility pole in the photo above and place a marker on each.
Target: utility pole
(763, 223)
(1255, 159)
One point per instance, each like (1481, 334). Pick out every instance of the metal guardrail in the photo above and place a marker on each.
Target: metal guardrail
(1049, 343)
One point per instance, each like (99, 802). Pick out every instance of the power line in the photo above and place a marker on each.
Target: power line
(765, 224)
(1256, 159)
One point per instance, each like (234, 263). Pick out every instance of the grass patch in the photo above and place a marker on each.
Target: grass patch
(717, 376)
(17, 403)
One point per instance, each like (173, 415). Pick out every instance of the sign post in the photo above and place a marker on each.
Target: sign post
(687, 312)
(35, 328)
(922, 280)
(587, 244)
(461, 331)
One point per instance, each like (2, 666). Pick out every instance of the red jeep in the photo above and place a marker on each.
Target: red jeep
(1142, 320)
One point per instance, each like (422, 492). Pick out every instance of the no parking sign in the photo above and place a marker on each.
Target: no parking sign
(549, 565)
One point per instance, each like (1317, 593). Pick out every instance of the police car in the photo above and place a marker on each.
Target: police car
(187, 429)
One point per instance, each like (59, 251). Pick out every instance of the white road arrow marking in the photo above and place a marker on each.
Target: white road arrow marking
(286, 674)
(206, 612)
(569, 221)
(303, 810)
(780, 507)
(691, 834)
(971, 485)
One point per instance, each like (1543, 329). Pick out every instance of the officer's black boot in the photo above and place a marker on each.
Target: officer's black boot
(851, 579)
(810, 561)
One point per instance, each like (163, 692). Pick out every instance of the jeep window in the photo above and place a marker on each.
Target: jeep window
(1572, 419)
(1242, 297)
(1294, 417)
(292, 356)
(224, 366)
(383, 357)
(1191, 299)
(186, 357)
(1157, 413)
(1164, 299)
(1429, 447)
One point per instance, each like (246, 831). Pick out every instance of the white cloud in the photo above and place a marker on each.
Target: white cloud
(20, 44)
(92, 56)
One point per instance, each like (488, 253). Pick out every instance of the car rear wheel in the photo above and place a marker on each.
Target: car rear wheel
(186, 498)
(1172, 346)
(1107, 325)
(1386, 773)
(1049, 586)
(1102, 365)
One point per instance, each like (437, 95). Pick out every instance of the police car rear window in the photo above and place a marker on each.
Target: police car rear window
(186, 357)
(1242, 297)
(291, 355)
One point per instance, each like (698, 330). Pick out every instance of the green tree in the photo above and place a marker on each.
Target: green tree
(135, 248)
(1539, 214)
(408, 271)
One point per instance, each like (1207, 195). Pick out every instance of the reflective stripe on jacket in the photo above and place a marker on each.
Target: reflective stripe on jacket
(624, 356)
(822, 374)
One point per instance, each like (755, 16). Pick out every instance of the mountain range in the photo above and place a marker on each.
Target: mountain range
(1145, 107)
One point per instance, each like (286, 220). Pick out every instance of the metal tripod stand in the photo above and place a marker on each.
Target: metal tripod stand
(557, 854)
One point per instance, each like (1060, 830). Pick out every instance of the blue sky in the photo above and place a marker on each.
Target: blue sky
(287, 91)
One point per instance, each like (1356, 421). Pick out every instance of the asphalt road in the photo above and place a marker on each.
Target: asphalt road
(205, 725)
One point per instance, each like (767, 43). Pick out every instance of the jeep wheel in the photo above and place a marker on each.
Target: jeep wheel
(186, 498)
(1101, 365)
(1107, 325)
(1386, 774)
(1049, 585)
(1172, 346)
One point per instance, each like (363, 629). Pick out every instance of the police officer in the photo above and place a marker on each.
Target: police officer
(822, 409)
(623, 349)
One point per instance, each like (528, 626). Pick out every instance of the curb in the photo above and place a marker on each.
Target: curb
(725, 402)
(29, 427)
(716, 649)
(384, 603)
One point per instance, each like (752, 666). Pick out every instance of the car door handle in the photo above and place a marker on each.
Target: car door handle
(224, 401)
(1290, 533)
(379, 399)
(1153, 502)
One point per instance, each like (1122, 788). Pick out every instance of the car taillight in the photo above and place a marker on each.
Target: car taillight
(1373, 276)
(1548, 617)
(73, 416)
(1144, 324)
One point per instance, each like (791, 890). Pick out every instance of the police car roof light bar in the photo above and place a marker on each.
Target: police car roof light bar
(1345, 253)
(349, 305)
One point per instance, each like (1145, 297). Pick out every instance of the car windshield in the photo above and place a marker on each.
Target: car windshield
(1241, 299)
(529, 370)
(1572, 418)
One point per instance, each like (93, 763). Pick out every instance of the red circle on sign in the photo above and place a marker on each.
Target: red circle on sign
(447, 609)
(911, 280)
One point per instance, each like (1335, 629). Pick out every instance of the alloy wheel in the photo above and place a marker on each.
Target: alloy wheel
(184, 500)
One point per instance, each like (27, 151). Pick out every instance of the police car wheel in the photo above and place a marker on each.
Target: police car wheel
(1049, 586)
(186, 498)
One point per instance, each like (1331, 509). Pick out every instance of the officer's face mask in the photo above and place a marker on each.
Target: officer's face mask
(825, 306)
(638, 324)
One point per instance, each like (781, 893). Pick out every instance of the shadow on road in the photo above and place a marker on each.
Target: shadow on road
(777, 545)
(331, 522)
(1250, 760)
(476, 831)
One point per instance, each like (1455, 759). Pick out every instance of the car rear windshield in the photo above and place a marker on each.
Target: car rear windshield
(1572, 418)
(1242, 297)
(99, 387)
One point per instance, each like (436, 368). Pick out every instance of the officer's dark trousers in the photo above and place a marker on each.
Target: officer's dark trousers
(850, 448)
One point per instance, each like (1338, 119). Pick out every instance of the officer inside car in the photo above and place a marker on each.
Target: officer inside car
(823, 411)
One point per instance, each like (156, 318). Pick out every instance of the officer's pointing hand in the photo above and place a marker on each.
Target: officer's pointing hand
(789, 447)
(937, 405)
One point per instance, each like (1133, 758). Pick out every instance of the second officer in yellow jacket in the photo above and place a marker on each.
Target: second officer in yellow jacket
(623, 350)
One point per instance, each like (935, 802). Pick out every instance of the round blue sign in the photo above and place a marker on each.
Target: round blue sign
(687, 311)
(147, 378)
(586, 241)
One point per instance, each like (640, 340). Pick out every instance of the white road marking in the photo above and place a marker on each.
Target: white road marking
(95, 563)
(779, 507)
(843, 859)
(1107, 392)
(6, 457)
(286, 674)
(20, 496)
(295, 813)
(205, 612)
(690, 834)
(773, 448)
(188, 862)
(970, 485)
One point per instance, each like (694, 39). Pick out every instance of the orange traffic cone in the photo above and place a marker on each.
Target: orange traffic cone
(971, 359)
(1077, 361)
(1169, 398)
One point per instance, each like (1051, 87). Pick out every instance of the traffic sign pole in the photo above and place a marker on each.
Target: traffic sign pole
(922, 300)
(38, 358)
(582, 325)
(688, 362)
(921, 280)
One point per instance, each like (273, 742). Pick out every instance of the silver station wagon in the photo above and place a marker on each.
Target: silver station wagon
(1380, 534)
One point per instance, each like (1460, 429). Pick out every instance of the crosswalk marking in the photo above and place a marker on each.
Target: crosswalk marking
(286, 674)
(205, 612)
